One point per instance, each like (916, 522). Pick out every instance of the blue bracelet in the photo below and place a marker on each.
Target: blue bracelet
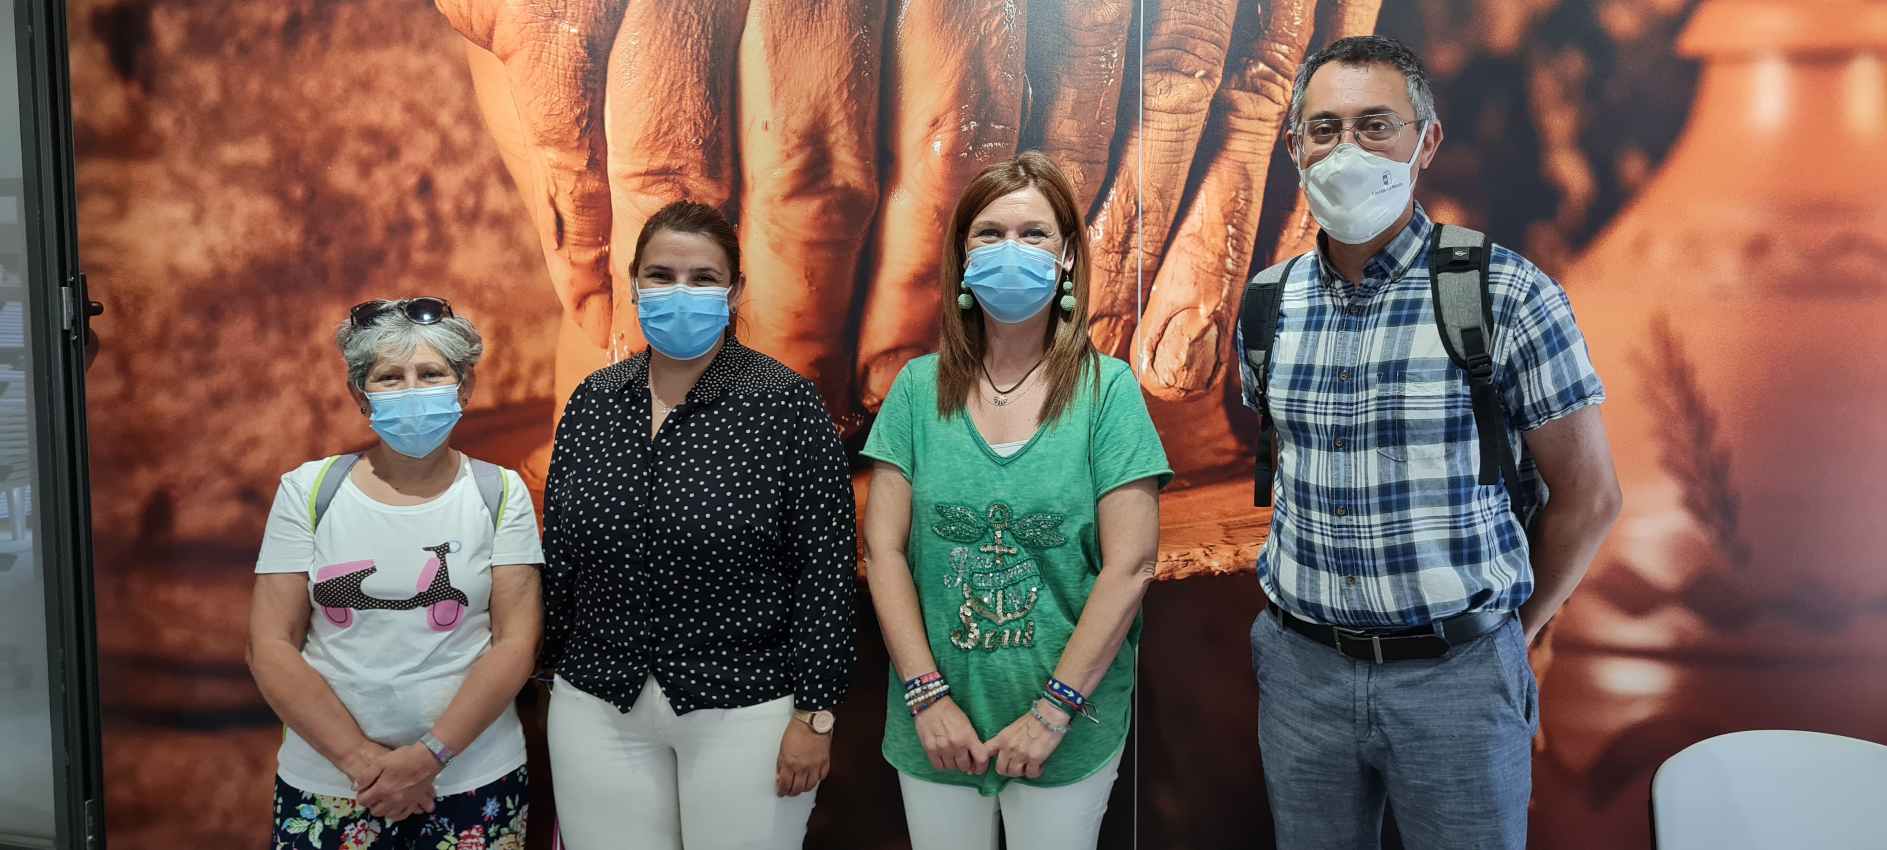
(1070, 700)
(1061, 689)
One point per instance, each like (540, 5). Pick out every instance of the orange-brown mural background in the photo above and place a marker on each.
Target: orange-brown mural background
(247, 171)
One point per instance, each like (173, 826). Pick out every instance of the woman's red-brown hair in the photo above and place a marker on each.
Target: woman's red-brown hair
(1068, 356)
(686, 216)
(690, 217)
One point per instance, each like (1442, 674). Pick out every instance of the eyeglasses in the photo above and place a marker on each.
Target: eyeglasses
(424, 310)
(1374, 132)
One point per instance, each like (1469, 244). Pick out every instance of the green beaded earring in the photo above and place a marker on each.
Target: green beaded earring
(1068, 300)
(964, 299)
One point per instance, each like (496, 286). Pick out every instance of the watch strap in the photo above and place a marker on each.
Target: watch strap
(440, 752)
(812, 718)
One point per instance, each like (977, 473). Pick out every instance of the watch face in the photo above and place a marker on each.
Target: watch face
(822, 722)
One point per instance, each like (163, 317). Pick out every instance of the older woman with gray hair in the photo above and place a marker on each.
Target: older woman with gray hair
(396, 612)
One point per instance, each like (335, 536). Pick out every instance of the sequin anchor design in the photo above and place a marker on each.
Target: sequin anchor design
(338, 593)
(999, 579)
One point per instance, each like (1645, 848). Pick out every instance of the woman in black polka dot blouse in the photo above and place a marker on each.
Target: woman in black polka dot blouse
(699, 547)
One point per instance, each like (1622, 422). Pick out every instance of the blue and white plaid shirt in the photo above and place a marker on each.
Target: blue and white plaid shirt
(1379, 520)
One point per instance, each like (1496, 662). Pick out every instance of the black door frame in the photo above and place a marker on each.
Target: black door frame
(56, 314)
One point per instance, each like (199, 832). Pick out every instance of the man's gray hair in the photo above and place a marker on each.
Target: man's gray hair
(394, 335)
(1367, 50)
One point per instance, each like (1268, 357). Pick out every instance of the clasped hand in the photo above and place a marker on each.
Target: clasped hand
(1019, 750)
(393, 784)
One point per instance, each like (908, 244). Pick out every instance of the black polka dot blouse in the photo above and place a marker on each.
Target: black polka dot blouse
(718, 556)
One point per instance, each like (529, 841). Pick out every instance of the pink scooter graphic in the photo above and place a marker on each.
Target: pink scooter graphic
(337, 591)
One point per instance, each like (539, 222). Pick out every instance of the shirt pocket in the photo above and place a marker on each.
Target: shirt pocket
(1413, 412)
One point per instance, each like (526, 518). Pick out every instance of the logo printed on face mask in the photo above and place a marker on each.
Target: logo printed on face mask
(415, 422)
(1356, 195)
(1011, 280)
(682, 322)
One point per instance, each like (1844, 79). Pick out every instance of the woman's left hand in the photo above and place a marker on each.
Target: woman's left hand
(402, 770)
(805, 758)
(1022, 747)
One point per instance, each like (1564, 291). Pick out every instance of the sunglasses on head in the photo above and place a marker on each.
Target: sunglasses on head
(424, 310)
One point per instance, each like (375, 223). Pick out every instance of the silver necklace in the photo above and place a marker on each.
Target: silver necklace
(1002, 396)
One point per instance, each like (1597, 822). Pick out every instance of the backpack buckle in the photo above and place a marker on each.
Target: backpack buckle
(1463, 258)
(1481, 367)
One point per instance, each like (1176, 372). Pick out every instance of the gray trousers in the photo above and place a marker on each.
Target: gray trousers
(1445, 742)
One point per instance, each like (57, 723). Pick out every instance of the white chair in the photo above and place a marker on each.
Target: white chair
(1772, 789)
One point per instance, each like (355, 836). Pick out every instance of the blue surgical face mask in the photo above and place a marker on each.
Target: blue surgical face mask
(682, 322)
(1011, 280)
(415, 422)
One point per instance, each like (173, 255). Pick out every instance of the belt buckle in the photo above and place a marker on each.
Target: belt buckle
(1375, 641)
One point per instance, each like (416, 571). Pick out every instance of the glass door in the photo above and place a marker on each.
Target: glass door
(50, 787)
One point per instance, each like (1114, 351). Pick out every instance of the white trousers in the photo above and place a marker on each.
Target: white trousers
(651, 780)
(955, 817)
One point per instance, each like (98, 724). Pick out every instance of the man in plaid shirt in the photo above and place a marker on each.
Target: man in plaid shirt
(1391, 662)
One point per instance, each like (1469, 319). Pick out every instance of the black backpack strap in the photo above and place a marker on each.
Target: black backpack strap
(1258, 326)
(1464, 314)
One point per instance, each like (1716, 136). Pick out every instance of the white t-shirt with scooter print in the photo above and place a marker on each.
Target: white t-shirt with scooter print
(400, 599)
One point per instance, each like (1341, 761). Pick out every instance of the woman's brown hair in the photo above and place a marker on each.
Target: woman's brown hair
(690, 217)
(1069, 355)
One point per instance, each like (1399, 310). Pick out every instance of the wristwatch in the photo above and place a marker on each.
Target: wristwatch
(821, 721)
(440, 752)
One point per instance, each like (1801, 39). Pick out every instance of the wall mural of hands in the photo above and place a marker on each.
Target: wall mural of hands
(839, 133)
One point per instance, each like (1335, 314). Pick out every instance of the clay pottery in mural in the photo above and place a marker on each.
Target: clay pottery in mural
(1737, 311)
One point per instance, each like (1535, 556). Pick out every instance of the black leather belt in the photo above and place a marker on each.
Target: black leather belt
(1404, 645)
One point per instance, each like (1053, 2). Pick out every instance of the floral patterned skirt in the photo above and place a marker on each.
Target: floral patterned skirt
(490, 817)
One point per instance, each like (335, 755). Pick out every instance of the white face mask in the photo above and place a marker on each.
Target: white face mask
(1356, 194)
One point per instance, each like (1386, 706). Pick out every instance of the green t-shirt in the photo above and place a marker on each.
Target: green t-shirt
(1004, 552)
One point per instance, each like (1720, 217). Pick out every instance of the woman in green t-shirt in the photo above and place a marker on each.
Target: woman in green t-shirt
(1011, 533)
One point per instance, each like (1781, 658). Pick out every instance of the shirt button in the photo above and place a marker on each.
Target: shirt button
(1339, 442)
(1343, 511)
(1343, 375)
(1350, 580)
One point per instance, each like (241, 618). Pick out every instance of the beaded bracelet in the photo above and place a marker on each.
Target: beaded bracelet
(912, 684)
(932, 684)
(922, 683)
(1050, 725)
(923, 692)
(918, 707)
